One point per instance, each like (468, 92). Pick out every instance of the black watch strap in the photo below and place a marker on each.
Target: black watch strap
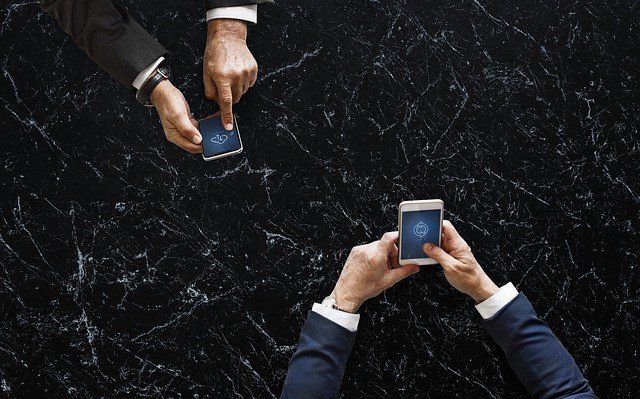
(147, 87)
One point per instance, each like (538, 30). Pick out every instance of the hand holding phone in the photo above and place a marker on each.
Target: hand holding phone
(461, 268)
(369, 270)
(217, 142)
(419, 222)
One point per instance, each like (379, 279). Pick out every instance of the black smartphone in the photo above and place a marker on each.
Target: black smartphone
(217, 142)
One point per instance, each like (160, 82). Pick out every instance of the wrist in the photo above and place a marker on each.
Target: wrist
(484, 289)
(160, 92)
(346, 303)
(227, 27)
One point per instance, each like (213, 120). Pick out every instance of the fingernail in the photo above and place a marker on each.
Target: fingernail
(427, 246)
(228, 126)
(196, 139)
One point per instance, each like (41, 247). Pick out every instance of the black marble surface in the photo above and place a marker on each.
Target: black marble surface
(132, 269)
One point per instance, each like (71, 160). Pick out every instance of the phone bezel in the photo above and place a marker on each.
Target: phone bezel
(419, 205)
(226, 154)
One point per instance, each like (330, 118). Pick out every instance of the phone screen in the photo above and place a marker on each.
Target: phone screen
(419, 227)
(216, 140)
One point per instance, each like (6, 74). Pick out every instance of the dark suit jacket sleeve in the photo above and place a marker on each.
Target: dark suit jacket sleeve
(209, 4)
(316, 369)
(536, 356)
(106, 32)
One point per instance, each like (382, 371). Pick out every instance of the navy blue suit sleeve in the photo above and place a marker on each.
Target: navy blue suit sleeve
(539, 360)
(316, 369)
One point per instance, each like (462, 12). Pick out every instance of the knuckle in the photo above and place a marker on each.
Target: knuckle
(176, 114)
(229, 73)
(209, 92)
(359, 253)
(387, 236)
(371, 257)
(212, 68)
(182, 126)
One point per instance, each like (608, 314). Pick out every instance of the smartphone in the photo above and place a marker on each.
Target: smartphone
(419, 222)
(217, 142)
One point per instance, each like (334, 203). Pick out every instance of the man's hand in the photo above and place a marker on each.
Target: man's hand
(179, 125)
(369, 270)
(460, 266)
(229, 67)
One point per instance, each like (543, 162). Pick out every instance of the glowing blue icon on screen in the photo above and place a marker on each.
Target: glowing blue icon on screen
(219, 138)
(421, 229)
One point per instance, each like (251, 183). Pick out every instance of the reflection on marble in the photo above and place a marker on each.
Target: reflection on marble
(132, 269)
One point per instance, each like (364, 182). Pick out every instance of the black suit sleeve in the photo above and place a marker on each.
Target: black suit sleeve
(209, 4)
(108, 34)
(536, 356)
(316, 369)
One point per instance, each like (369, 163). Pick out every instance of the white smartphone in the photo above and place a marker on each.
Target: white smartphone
(419, 222)
(217, 142)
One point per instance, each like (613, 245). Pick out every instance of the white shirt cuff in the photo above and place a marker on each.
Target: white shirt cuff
(344, 319)
(490, 306)
(243, 13)
(144, 75)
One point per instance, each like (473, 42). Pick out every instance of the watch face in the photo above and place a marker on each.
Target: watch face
(329, 302)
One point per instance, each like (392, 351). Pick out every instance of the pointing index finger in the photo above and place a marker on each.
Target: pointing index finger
(225, 100)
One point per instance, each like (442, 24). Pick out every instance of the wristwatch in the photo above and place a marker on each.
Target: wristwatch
(147, 87)
(330, 302)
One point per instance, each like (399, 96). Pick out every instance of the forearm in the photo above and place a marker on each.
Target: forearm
(108, 35)
(537, 357)
(317, 367)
